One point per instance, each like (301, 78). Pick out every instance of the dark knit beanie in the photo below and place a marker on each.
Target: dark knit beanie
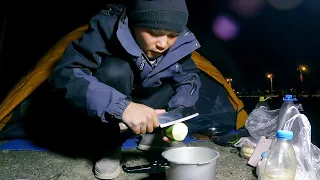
(159, 14)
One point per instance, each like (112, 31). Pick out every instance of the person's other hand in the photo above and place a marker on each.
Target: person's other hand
(141, 118)
(164, 138)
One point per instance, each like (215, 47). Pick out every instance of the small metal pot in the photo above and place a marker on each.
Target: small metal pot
(186, 163)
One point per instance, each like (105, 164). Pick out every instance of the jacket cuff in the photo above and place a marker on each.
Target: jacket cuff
(120, 107)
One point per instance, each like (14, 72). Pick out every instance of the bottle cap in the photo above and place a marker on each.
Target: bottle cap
(261, 99)
(289, 97)
(283, 134)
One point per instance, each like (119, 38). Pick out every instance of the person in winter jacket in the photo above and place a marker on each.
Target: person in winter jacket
(133, 63)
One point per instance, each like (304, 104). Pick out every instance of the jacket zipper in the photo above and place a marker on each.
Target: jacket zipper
(144, 57)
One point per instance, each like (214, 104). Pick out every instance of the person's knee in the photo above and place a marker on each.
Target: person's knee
(113, 70)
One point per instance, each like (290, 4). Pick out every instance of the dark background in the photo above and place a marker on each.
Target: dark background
(272, 40)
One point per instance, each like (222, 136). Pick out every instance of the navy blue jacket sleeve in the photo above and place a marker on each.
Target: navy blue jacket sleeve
(73, 73)
(187, 83)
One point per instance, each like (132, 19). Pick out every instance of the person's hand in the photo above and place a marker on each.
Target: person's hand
(141, 118)
(166, 139)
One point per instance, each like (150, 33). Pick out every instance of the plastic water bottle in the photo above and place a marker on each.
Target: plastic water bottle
(281, 162)
(262, 103)
(288, 101)
(284, 113)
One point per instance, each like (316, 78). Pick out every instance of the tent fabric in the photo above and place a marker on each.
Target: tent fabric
(206, 66)
(215, 109)
(42, 70)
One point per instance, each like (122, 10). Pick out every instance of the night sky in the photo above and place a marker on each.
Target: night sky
(271, 40)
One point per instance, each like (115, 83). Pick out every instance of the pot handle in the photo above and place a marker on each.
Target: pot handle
(156, 166)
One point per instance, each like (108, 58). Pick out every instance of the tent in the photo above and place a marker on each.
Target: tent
(41, 72)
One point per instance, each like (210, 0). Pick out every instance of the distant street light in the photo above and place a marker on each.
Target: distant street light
(270, 76)
(229, 80)
(302, 69)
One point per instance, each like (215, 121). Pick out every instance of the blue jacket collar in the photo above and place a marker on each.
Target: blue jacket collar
(125, 36)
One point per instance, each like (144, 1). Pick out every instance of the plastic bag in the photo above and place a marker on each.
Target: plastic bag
(299, 107)
(246, 141)
(308, 155)
(287, 113)
(247, 145)
(262, 122)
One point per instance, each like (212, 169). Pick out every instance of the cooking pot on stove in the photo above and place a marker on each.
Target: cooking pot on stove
(185, 163)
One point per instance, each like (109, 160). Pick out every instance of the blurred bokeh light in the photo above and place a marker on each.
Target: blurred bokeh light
(285, 4)
(225, 28)
(247, 7)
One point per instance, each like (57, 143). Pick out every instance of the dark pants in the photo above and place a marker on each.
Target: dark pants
(52, 122)
(118, 74)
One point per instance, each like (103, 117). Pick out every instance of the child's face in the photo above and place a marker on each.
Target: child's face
(154, 42)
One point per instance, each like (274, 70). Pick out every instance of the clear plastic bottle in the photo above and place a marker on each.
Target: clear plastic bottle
(288, 101)
(281, 163)
(262, 103)
(284, 113)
